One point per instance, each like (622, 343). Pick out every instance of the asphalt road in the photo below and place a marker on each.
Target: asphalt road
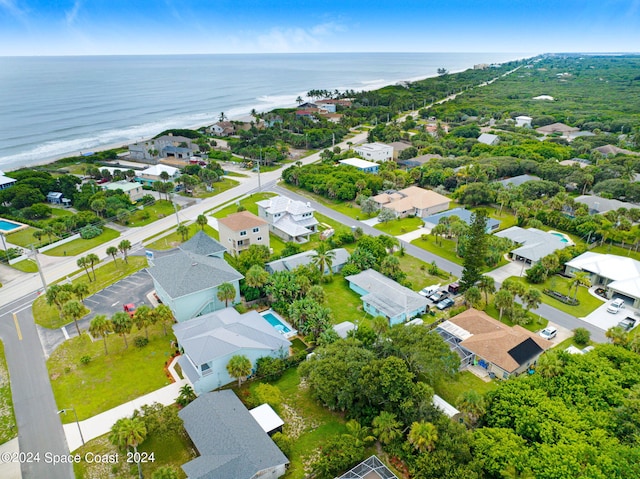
(39, 426)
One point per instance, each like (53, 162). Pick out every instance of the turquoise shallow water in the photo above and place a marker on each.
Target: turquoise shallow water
(275, 322)
(60, 106)
(8, 225)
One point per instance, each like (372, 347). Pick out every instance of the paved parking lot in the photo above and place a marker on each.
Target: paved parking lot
(132, 289)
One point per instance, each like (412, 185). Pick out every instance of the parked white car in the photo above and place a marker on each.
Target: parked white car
(548, 333)
(615, 306)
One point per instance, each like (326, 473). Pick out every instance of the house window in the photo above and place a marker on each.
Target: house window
(243, 233)
(255, 230)
(240, 243)
(259, 238)
(206, 369)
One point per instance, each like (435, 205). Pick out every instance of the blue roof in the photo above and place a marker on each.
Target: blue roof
(463, 214)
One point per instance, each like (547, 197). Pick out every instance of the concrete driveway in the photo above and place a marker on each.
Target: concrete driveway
(512, 268)
(604, 320)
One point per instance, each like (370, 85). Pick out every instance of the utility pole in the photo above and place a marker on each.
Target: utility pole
(259, 161)
(35, 256)
(176, 210)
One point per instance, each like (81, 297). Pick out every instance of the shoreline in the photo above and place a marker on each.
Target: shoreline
(245, 116)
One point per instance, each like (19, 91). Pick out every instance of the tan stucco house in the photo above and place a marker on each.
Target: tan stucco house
(240, 230)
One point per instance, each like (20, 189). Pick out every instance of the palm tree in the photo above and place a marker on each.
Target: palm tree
(164, 176)
(472, 296)
(487, 285)
(124, 246)
(226, 293)
(617, 336)
(101, 326)
(531, 299)
(239, 367)
(256, 277)
(472, 404)
(323, 259)
(423, 436)
(143, 317)
(358, 434)
(112, 251)
(81, 290)
(183, 231)
(73, 310)
(164, 315)
(201, 220)
(122, 325)
(581, 278)
(83, 263)
(503, 300)
(129, 432)
(386, 427)
(187, 395)
(92, 260)
(550, 364)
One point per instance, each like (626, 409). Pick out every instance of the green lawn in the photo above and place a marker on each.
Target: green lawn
(234, 174)
(249, 203)
(345, 303)
(588, 303)
(106, 275)
(400, 226)
(24, 237)
(58, 212)
(444, 248)
(306, 421)
(347, 208)
(173, 240)
(218, 187)
(417, 273)
(617, 250)
(160, 209)
(8, 429)
(80, 245)
(108, 380)
(26, 266)
(450, 390)
(507, 220)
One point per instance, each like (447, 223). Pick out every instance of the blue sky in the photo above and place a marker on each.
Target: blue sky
(97, 27)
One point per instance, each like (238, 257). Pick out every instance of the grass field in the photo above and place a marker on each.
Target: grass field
(26, 266)
(450, 390)
(249, 204)
(418, 273)
(617, 250)
(217, 188)
(347, 208)
(444, 248)
(25, 237)
(8, 429)
(344, 303)
(106, 275)
(109, 379)
(173, 240)
(80, 245)
(588, 303)
(400, 226)
(160, 209)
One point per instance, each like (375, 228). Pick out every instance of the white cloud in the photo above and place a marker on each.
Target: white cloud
(71, 15)
(12, 7)
(296, 39)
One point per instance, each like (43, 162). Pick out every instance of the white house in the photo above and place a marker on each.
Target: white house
(5, 181)
(523, 121)
(288, 219)
(375, 151)
(362, 165)
(488, 139)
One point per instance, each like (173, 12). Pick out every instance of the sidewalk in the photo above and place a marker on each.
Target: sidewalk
(101, 424)
(10, 470)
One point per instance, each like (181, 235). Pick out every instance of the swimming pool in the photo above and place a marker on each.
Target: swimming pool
(563, 237)
(8, 225)
(278, 323)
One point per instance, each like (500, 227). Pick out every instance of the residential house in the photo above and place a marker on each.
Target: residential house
(362, 165)
(488, 139)
(372, 468)
(130, 188)
(375, 151)
(307, 113)
(517, 180)
(330, 101)
(152, 174)
(502, 350)
(558, 129)
(619, 275)
(612, 150)
(223, 128)
(54, 197)
(307, 105)
(166, 146)
(5, 181)
(187, 280)
(582, 163)
(464, 214)
(419, 160)
(240, 230)
(327, 107)
(289, 263)
(523, 121)
(229, 441)
(288, 219)
(399, 147)
(412, 201)
(211, 340)
(532, 244)
(382, 296)
(599, 205)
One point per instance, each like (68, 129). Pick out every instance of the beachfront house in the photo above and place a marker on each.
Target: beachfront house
(209, 341)
(223, 128)
(165, 146)
(6, 182)
(412, 201)
(187, 280)
(240, 230)
(382, 296)
(229, 441)
(375, 151)
(288, 219)
(481, 341)
(130, 188)
(362, 165)
(153, 174)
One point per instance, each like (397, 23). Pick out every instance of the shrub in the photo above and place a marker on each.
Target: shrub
(581, 336)
(561, 297)
(148, 200)
(90, 231)
(140, 341)
(284, 442)
(86, 359)
(536, 274)
(266, 393)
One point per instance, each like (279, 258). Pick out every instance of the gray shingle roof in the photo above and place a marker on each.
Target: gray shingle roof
(185, 273)
(289, 263)
(231, 443)
(281, 204)
(385, 294)
(517, 180)
(202, 243)
(225, 332)
(534, 244)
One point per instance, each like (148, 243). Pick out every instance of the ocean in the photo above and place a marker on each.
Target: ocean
(52, 107)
